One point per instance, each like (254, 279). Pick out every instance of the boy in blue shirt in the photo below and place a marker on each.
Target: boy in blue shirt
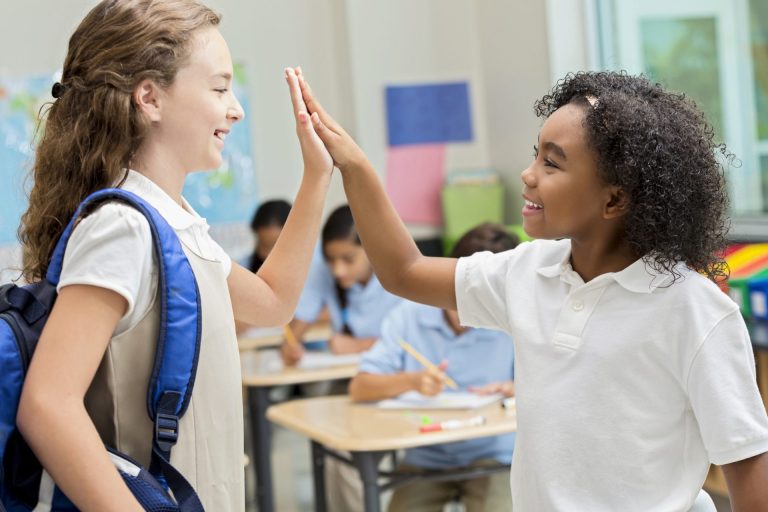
(480, 360)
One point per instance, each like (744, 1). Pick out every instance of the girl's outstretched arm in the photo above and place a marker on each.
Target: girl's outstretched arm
(270, 296)
(398, 263)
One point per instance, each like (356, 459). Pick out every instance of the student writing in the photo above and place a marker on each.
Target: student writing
(477, 359)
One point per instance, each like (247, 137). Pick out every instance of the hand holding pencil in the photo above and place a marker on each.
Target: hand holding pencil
(291, 350)
(438, 371)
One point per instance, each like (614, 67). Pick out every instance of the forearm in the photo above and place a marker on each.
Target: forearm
(398, 263)
(287, 265)
(65, 440)
(387, 242)
(298, 328)
(370, 386)
(746, 481)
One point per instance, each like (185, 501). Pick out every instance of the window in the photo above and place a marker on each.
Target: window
(716, 51)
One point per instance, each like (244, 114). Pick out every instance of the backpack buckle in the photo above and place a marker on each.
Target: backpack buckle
(166, 431)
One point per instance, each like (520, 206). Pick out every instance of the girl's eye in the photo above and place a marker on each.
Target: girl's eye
(535, 151)
(222, 91)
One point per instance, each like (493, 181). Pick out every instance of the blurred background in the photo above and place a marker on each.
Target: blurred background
(439, 93)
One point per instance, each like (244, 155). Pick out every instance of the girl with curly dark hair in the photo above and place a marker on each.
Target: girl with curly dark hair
(634, 371)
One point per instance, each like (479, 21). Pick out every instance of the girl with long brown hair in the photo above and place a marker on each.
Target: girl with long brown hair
(145, 98)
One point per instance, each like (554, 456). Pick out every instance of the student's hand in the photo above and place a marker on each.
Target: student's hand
(429, 383)
(291, 353)
(317, 160)
(506, 388)
(343, 344)
(345, 151)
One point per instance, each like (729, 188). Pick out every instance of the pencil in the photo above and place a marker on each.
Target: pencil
(290, 336)
(428, 364)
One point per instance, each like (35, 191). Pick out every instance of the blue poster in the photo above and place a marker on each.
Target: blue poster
(427, 114)
(20, 102)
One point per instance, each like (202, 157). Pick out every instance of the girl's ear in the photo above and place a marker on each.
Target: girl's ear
(617, 204)
(146, 97)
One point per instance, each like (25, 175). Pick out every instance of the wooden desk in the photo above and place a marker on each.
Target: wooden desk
(255, 339)
(336, 424)
(260, 374)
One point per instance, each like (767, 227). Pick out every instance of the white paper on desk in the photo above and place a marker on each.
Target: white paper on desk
(319, 360)
(446, 400)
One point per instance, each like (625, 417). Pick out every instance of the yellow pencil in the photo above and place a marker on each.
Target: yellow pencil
(428, 364)
(290, 336)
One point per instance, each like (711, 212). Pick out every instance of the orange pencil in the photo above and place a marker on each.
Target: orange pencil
(290, 336)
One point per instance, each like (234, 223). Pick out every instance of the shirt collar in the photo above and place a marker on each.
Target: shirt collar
(179, 217)
(638, 277)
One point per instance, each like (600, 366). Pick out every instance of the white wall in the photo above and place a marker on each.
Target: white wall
(514, 55)
(350, 50)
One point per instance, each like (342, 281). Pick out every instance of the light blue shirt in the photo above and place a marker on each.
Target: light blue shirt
(476, 357)
(366, 305)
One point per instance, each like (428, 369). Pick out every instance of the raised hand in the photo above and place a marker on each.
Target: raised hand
(343, 148)
(316, 157)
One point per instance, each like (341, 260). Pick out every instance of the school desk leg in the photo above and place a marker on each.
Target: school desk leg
(258, 400)
(318, 474)
(367, 463)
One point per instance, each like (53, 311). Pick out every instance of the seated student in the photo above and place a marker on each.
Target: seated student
(266, 225)
(477, 359)
(356, 301)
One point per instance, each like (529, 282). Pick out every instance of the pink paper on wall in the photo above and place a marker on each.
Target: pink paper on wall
(414, 179)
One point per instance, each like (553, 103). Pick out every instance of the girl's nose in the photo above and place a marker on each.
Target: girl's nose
(236, 112)
(529, 180)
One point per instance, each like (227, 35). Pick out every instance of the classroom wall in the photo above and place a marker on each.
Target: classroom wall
(350, 50)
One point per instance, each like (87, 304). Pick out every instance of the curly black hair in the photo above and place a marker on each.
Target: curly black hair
(659, 148)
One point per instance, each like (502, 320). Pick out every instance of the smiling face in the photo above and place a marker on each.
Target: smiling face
(199, 108)
(348, 262)
(564, 195)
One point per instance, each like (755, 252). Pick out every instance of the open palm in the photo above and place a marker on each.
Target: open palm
(313, 151)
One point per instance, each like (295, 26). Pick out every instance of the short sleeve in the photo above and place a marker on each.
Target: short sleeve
(226, 259)
(112, 249)
(316, 288)
(481, 290)
(724, 396)
(386, 356)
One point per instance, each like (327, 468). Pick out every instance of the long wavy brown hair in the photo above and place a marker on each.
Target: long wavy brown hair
(93, 129)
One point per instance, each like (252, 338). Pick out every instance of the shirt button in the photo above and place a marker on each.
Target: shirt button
(577, 305)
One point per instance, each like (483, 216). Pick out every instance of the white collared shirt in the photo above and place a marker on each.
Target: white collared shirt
(628, 386)
(112, 248)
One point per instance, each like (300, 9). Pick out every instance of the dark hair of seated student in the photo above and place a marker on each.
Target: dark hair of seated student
(340, 227)
(266, 225)
(488, 236)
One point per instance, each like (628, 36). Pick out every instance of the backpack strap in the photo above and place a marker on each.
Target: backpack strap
(178, 344)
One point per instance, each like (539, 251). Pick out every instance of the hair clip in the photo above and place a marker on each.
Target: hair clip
(58, 90)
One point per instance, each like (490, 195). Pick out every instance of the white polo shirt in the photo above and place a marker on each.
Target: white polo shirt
(628, 386)
(112, 247)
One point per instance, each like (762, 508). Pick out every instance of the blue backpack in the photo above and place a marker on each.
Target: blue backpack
(23, 312)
